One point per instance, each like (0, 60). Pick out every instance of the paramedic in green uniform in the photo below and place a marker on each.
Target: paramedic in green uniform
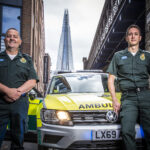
(17, 77)
(132, 68)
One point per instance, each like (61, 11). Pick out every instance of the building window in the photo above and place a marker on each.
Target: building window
(10, 18)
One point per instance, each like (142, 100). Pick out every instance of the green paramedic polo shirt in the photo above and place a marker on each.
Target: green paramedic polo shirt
(131, 71)
(14, 73)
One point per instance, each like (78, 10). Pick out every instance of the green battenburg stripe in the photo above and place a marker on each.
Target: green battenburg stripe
(32, 125)
(39, 137)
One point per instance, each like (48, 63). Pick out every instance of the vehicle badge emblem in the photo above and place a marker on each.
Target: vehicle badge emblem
(142, 57)
(23, 60)
(111, 116)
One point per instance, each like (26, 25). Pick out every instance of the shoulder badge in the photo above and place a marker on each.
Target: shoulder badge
(23, 60)
(142, 56)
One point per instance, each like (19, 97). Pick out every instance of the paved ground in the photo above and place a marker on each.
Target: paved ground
(27, 146)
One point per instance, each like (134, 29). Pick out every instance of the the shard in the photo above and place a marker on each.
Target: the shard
(65, 57)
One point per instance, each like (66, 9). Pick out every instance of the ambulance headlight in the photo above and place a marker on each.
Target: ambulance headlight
(63, 115)
(55, 117)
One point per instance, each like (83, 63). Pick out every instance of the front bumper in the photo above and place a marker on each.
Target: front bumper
(64, 137)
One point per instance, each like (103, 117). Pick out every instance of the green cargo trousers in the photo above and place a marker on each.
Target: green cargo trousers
(135, 106)
(16, 114)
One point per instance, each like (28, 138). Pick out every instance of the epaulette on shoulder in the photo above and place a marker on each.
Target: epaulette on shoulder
(27, 56)
(2, 53)
(120, 52)
(146, 51)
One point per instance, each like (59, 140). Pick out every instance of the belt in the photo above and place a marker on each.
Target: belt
(136, 90)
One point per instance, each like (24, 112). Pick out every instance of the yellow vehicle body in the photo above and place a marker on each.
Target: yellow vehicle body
(78, 112)
(79, 101)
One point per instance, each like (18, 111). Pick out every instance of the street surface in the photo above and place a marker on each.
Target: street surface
(27, 146)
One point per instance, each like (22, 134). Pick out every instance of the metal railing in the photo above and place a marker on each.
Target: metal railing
(110, 11)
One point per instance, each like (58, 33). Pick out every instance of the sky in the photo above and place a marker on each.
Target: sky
(84, 16)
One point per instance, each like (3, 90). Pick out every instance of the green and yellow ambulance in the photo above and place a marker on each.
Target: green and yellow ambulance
(77, 113)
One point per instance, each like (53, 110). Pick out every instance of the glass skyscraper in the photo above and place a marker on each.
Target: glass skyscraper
(65, 56)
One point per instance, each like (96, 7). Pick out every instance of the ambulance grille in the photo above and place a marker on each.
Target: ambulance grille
(88, 117)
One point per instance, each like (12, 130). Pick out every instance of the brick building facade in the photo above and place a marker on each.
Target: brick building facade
(33, 35)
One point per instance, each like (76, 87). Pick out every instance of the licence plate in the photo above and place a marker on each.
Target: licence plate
(106, 135)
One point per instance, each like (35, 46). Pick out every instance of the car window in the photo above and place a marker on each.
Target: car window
(59, 85)
(79, 83)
